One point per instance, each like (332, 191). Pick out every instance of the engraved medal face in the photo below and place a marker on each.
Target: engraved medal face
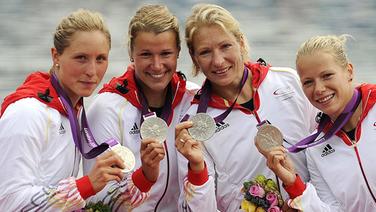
(154, 127)
(126, 155)
(268, 137)
(203, 127)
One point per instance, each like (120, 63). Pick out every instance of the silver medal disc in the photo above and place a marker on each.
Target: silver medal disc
(268, 137)
(154, 127)
(126, 155)
(203, 127)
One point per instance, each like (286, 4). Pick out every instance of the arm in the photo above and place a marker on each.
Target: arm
(105, 118)
(303, 196)
(198, 189)
(24, 183)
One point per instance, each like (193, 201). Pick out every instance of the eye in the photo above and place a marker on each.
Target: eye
(328, 76)
(166, 53)
(204, 52)
(307, 83)
(81, 58)
(101, 58)
(145, 54)
(226, 45)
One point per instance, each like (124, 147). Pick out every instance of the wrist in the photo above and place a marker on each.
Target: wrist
(150, 174)
(197, 167)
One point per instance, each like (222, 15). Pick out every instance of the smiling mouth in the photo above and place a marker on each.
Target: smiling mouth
(157, 76)
(221, 71)
(325, 99)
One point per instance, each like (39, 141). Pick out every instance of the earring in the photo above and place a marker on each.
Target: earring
(57, 66)
(131, 59)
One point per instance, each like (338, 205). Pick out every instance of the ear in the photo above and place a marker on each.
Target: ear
(55, 56)
(350, 72)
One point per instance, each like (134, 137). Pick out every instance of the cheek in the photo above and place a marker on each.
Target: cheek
(308, 93)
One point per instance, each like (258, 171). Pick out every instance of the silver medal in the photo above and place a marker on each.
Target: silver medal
(203, 127)
(155, 128)
(268, 137)
(126, 155)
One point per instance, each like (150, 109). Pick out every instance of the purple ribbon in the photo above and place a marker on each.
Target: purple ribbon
(341, 120)
(76, 133)
(205, 97)
(166, 109)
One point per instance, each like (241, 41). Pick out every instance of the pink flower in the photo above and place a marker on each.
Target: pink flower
(272, 198)
(274, 209)
(257, 191)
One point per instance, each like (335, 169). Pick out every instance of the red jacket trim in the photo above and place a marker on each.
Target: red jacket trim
(198, 178)
(85, 187)
(258, 72)
(140, 181)
(126, 87)
(37, 82)
(296, 189)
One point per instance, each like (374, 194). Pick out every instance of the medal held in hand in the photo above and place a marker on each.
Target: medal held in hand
(155, 128)
(203, 127)
(126, 155)
(267, 137)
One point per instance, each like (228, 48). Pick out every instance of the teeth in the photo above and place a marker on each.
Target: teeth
(221, 71)
(157, 75)
(325, 99)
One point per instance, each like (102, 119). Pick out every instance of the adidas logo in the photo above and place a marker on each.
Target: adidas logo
(134, 129)
(327, 150)
(61, 129)
(220, 126)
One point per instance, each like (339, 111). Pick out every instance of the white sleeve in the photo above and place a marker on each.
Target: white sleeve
(193, 197)
(103, 117)
(317, 195)
(23, 139)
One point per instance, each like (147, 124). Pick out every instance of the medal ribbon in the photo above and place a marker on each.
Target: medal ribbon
(341, 120)
(75, 128)
(167, 107)
(205, 97)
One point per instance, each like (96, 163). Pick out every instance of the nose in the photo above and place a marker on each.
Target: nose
(156, 63)
(217, 59)
(91, 68)
(319, 87)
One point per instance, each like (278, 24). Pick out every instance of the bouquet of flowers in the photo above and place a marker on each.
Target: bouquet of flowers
(261, 194)
(97, 207)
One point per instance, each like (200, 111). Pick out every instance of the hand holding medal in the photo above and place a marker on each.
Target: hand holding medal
(126, 155)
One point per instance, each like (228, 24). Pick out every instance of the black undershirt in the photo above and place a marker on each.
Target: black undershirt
(157, 110)
(248, 105)
(351, 134)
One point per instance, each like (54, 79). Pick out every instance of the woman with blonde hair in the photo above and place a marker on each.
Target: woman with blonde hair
(340, 155)
(151, 87)
(240, 95)
(39, 131)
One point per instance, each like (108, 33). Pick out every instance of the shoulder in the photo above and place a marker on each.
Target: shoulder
(284, 76)
(28, 114)
(284, 72)
(28, 108)
(108, 100)
(191, 87)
